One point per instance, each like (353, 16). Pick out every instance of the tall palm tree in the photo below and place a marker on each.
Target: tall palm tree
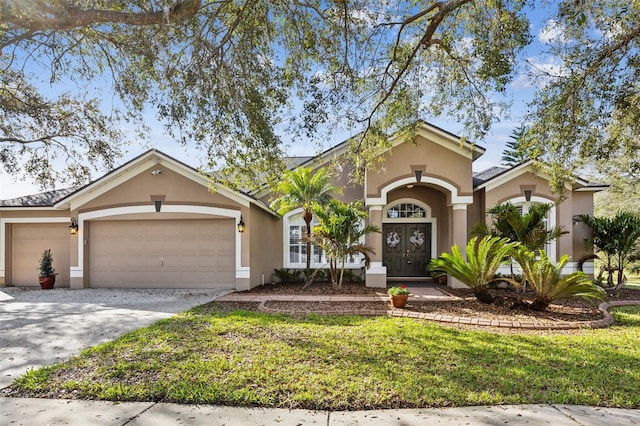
(304, 188)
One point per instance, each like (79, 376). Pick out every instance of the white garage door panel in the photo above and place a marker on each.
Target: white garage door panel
(28, 242)
(163, 254)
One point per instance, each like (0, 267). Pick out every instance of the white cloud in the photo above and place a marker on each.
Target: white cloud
(552, 32)
(540, 72)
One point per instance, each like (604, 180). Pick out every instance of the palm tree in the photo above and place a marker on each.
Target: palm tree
(545, 279)
(339, 234)
(479, 268)
(616, 237)
(528, 229)
(303, 188)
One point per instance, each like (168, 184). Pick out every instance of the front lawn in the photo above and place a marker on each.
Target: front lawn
(212, 355)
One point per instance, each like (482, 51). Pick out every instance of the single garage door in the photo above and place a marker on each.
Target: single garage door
(28, 241)
(162, 253)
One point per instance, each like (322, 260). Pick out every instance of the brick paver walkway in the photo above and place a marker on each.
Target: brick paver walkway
(422, 294)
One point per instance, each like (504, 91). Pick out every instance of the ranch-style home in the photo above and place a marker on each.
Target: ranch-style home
(155, 223)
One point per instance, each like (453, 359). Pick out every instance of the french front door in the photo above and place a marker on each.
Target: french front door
(406, 249)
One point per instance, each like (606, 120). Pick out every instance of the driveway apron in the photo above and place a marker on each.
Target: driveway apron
(41, 327)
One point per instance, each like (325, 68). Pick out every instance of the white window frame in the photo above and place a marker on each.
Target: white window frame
(294, 218)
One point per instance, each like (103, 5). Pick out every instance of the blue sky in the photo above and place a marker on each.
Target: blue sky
(520, 93)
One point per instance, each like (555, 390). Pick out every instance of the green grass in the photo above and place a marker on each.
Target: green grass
(633, 282)
(251, 359)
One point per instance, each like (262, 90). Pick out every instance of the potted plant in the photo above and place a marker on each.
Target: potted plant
(398, 295)
(47, 273)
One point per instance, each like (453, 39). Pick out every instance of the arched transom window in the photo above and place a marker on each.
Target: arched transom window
(406, 210)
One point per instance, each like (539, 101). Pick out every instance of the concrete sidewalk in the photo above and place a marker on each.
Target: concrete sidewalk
(30, 411)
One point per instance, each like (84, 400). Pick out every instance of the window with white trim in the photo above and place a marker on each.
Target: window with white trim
(296, 247)
(405, 210)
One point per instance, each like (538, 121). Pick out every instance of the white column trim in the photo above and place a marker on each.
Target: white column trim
(459, 206)
(376, 268)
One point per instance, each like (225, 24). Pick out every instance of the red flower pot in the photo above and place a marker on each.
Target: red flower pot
(46, 283)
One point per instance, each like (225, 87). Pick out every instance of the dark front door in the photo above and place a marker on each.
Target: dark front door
(406, 249)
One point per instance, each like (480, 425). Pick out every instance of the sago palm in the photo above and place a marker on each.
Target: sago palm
(546, 280)
(528, 229)
(480, 266)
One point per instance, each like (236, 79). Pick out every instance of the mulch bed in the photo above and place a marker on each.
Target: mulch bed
(566, 310)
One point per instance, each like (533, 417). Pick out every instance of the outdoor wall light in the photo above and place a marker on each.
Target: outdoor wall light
(73, 228)
(527, 194)
(158, 204)
(241, 225)
(418, 175)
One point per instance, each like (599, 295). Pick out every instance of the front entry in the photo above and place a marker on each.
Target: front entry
(406, 249)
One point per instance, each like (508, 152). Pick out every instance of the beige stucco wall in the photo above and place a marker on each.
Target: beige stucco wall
(265, 245)
(512, 188)
(350, 191)
(476, 212)
(582, 204)
(450, 164)
(176, 189)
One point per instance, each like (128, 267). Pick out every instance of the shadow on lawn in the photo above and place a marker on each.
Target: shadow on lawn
(351, 362)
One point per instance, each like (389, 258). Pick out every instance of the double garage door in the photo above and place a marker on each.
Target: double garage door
(162, 253)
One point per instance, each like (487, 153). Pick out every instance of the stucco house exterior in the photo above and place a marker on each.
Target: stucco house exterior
(155, 222)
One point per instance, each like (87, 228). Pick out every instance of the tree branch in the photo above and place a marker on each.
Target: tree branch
(444, 9)
(71, 18)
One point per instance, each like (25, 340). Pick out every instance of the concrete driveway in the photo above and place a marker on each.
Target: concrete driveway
(40, 327)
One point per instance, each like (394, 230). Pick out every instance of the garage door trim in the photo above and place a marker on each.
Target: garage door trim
(78, 272)
(5, 221)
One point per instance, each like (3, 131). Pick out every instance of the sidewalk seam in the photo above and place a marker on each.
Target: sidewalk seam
(130, 419)
(567, 415)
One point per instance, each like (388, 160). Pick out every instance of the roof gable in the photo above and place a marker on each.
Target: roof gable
(497, 176)
(426, 130)
(139, 165)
